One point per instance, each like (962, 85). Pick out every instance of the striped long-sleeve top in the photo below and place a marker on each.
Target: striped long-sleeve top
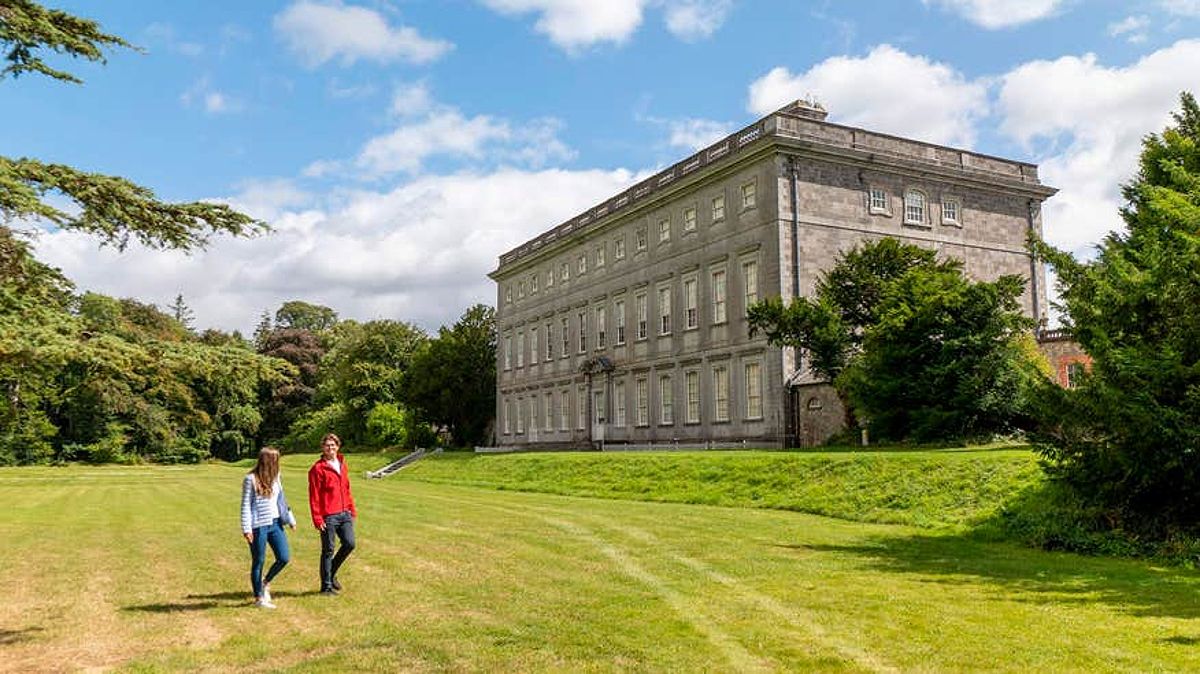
(261, 511)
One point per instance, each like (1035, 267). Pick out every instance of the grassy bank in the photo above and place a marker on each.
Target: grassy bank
(142, 568)
(927, 488)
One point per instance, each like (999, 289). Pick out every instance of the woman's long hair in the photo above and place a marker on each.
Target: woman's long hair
(266, 471)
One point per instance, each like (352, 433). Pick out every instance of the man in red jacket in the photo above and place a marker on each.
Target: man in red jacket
(333, 510)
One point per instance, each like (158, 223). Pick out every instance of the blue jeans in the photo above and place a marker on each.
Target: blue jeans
(272, 535)
(341, 526)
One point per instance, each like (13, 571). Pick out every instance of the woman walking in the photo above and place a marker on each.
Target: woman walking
(264, 512)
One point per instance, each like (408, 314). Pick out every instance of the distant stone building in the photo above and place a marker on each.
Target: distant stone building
(626, 324)
(1068, 361)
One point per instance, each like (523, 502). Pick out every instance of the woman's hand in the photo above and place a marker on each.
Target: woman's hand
(249, 536)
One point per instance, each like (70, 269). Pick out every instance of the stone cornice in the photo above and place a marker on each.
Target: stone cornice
(797, 130)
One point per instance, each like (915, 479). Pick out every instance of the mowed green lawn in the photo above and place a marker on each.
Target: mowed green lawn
(144, 568)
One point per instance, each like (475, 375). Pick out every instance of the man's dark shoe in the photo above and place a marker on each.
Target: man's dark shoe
(336, 585)
(329, 592)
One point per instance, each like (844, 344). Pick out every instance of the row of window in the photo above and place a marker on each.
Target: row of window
(543, 410)
(916, 207)
(599, 255)
(541, 341)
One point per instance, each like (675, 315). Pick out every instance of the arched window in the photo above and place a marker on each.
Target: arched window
(914, 207)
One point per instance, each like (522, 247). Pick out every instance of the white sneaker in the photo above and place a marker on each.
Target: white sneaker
(264, 602)
(266, 595)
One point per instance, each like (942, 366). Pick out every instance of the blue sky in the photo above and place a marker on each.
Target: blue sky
(399, 147)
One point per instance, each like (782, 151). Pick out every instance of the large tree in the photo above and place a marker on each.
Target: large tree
(365, 367)
(287, 400)
(914, 349)
(829, 327)
(112, 208)
(298, 315)
(947, 358)
(452, 383)
(95, 377)
(1129, 437)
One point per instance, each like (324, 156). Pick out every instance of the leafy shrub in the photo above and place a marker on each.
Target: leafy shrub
(109, 448)
(306, 433)
(389, 425)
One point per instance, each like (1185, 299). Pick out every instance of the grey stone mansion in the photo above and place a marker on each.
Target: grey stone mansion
(626, 324)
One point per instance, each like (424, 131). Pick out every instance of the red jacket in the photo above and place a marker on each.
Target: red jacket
(329, 491)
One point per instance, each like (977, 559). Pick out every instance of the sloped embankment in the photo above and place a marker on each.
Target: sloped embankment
(930, 488)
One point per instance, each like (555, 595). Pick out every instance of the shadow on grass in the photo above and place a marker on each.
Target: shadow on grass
(207, 602)
(1134, 587)
(10, 637)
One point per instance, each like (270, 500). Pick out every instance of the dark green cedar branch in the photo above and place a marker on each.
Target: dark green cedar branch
(26, 28)
(114, 208)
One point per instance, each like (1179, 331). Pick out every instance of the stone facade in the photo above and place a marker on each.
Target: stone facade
(627, 324)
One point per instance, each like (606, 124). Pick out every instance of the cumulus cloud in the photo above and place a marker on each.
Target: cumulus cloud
(447, 132)
(690, 133)
(994, 14)
(319, 32)
(1088, 134)
(426, 129)
(1132, 28)
(419, 251)
(575, 25)
(907, 95)
(692, 20)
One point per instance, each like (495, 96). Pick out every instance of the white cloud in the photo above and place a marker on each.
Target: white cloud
(1133, 28)
(319, 32)
(441, 133)
(1181, 7)
(692, 20)
(322, 167)
(536, 144)
(994, 14)
(692, 134)
(411, 99)
(575, 25)
(1088, 133)
(419, 251)
(214, 102)
(427, 129)
(907, 95)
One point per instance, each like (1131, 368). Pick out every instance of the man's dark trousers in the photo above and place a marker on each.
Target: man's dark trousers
(341, 526)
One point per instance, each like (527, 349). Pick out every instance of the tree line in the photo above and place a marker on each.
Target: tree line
(87, 377)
